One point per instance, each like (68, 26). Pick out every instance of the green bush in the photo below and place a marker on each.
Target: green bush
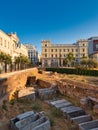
(77, 71)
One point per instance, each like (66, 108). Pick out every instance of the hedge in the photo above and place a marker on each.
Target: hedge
(77, 71)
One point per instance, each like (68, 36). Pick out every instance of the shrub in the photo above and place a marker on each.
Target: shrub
(78, 71)
(56, 112)
(37, 106)
(52, 120)
(4, 105)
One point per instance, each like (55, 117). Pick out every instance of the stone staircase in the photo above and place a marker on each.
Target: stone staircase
(75, 114)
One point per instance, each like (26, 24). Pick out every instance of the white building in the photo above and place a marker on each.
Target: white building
(32, 53)
(9, 44)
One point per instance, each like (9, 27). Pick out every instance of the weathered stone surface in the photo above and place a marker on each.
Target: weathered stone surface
(30, 121)
(63, 105)
(82, 119)
(94, 129)
(43, 83)
(70, 109)
(84, 101)
(95, 109)
(58, 101)
(14, 81)
(91, 125)
(28, 93)
(31, 80)
(43, 126)
(47, 92)
(77, 89)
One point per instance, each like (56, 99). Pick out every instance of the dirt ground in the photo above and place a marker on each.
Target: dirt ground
(58, 122)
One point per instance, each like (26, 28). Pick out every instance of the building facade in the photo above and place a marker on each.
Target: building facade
(32, 54)
(54, 54)
(9, 44)
(93, 47)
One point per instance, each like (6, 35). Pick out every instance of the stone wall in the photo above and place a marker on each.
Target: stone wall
(14, 81)
(76, 89)
(43, 83)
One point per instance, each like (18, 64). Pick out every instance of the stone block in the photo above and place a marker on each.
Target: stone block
(58, 101)
(30, 121)
(95, 109)
(63, 105)
(91, 125)
(70, 109)
(82, 119)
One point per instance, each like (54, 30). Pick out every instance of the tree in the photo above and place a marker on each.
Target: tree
(22, 61)
(68, 60)
(89, 63)
(6, 59)
(65, 62)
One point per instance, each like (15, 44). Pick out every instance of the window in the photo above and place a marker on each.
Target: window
(64, 55)
(55, 50)
(51, 50)
(60, 55)
(83, 44)
(83, 50)
(72, 50)
(0, 41)
(45, 50)
(52, 55)
(45, 55)
(8, 44)
(83, 55)
(60, 50)
(5, 43)
(45, 44)
(76, 50)
(68, 50)
(64, 50)
(56, 55)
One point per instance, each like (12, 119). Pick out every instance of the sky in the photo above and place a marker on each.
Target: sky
(60, 21)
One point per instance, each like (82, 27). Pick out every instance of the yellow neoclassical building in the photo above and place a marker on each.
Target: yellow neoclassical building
(54, 54)
(9, 43)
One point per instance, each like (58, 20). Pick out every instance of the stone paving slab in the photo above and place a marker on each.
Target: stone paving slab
(25, 115)
(70, 109)
(63, 105)
(82, 119)
(94, 129)
(58, 101)
(76, 114)
(27, 121)
(91, 125)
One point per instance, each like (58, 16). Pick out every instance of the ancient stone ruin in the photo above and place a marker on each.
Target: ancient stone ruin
(30, 121)
(76, 115)
(31, 80)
